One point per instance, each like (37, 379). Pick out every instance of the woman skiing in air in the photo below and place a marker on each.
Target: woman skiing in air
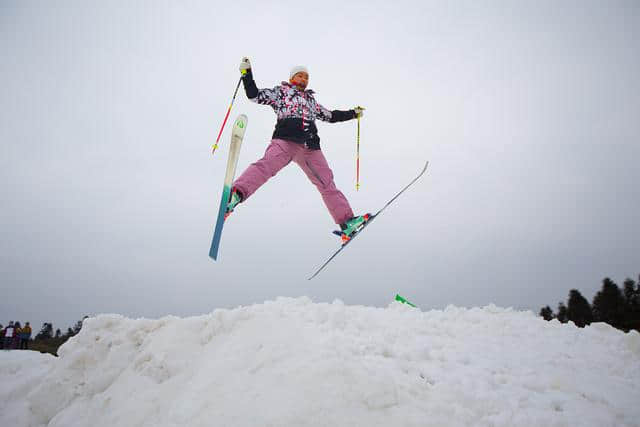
(296, 139)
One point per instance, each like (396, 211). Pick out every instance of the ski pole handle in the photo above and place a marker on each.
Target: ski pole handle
(214, 147)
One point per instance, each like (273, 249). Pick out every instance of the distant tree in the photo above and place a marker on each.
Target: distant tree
(48, 341)
(546, 313)
(46, 332)
(636, 305)
(608, 304)
(78, 325)
(631, 293)
(562, 313)
(579, 309)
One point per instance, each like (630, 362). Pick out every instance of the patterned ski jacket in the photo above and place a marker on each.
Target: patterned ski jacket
(297, 111)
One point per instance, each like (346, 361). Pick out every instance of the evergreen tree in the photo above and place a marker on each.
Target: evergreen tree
(78, 325)
(608, 304)
(58, 333)
(562, 313)
(631, 305)
(46, 332)
(578, 309)
(70, 332)
(546, 313)
(629, 291)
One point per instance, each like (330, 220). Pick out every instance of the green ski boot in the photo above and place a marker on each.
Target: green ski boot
(234, 200)
(352, 226)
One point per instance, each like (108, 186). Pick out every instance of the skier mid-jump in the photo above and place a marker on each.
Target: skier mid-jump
(296, 139)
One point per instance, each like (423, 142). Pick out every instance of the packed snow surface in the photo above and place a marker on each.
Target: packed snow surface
(292, 362)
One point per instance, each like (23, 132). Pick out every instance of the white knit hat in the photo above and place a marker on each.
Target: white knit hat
(297, 69)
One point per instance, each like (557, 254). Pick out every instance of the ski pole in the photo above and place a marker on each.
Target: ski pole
(358, 157)
(215, 146)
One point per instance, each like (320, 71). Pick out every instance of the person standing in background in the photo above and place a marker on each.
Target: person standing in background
(9, 332)
(17, 330)
(25, 336)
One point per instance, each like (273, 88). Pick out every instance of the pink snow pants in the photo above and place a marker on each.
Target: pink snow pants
(279, 154)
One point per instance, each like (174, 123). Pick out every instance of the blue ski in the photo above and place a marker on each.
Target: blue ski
(237, 133)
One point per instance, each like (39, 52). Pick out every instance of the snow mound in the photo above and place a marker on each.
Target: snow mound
(292, 362)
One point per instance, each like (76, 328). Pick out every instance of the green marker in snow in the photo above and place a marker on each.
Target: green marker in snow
(404, 301)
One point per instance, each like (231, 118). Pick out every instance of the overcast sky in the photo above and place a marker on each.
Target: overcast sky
(528, 112)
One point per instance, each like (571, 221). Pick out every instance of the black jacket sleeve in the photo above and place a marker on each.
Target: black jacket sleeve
(342, 116)
(250, 87)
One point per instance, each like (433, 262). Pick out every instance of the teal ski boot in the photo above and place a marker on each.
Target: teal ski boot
(234, 200)
(352, 226)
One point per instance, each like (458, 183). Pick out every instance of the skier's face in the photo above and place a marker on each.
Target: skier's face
(300, 79)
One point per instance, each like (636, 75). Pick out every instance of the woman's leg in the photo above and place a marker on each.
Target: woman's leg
(278, 154)
(315, 166)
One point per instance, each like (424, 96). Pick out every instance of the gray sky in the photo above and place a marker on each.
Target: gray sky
(528, 112)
